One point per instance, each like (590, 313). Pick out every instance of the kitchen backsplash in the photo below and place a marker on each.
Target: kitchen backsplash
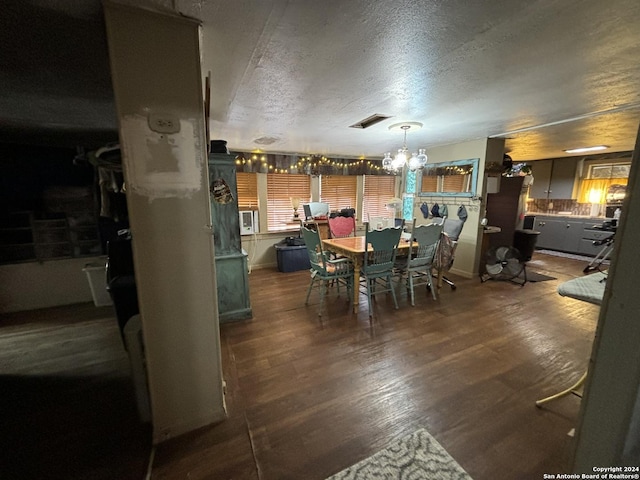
(557, 206)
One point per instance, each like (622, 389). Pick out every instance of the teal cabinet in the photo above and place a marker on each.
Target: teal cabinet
(232, 277)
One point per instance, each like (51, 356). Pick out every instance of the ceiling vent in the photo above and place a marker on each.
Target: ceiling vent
(372, 120)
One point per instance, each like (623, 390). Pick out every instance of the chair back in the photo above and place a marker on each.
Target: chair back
(313, 243)
(453, 227)
(340, 227)
(427, 238)
(380, 249)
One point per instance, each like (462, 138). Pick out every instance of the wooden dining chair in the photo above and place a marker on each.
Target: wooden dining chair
(423, 245)
(325, 272)
(378, 265)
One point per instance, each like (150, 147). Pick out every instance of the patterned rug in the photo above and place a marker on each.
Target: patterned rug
(415, 457)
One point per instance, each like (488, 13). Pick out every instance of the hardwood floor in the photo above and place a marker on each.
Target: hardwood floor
(308, 397)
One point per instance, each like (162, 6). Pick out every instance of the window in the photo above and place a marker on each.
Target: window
(247, 191)
(618, 170)
(281, 188)
(339, 191)
(378, 190)
(604, 183)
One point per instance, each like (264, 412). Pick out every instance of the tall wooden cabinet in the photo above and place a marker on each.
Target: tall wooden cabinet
(232, 275)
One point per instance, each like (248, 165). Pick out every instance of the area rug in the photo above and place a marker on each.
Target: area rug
(415, 457)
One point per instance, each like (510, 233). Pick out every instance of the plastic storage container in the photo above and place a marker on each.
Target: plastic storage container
(97, 276)
(292, 258)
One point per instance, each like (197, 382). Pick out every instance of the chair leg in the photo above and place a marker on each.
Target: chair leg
(306, 301)
(370, 282)
(431, 287)
(410, 281)
(448, 282)
(393, 290)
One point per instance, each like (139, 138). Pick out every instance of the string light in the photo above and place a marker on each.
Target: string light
(308, 163)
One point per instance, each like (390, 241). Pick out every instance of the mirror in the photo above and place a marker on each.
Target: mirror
(449, 179)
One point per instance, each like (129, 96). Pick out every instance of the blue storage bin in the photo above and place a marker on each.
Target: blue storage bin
(292, 258)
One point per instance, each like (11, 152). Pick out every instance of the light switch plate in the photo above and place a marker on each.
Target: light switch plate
(164, 123)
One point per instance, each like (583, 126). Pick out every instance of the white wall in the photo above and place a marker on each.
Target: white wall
(155, 65)
(467, 255)
(32, 285)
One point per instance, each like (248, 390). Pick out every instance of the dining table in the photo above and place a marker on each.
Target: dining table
(354, 249)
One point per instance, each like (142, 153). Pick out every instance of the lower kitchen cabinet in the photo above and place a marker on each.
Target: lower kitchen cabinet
(589, 236)
(559, 234)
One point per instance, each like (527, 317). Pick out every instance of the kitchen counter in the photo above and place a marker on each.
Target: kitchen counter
(564, 215)
(567, 233)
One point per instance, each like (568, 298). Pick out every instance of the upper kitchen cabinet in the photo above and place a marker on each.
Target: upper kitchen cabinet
(554, 179)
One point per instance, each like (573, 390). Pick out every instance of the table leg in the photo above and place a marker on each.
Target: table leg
(571, 389)
(356, 284)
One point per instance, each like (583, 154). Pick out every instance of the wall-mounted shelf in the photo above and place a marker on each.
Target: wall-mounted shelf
(24, 238)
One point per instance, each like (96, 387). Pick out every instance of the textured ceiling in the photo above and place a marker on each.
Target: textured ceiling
(292, 76)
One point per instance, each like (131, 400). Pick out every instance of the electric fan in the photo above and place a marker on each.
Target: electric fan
(503, 263)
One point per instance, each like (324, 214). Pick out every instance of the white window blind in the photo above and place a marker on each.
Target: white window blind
(378, 190)
(247, 191)
(339, 191)
(281, 188)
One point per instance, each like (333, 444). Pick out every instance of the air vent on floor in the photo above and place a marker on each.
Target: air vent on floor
(372, 120)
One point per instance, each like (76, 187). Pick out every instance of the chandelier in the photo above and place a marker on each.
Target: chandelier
(414, 161)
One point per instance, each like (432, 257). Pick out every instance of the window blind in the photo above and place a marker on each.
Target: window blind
(429, 183)
(281, 188)
(247, 191)
(454, 183)
(378, 190)
(339, 191)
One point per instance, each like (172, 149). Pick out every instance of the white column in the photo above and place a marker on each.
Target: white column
(155, 65)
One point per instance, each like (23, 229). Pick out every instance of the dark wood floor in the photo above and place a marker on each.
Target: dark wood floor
(307, 398)
(67, 406)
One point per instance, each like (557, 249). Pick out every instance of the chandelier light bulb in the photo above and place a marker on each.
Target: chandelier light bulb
(414, 163)
(386, 161)
(402, 159)
(422, 158)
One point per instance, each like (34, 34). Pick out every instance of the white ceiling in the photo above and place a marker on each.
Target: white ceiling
(291, 76)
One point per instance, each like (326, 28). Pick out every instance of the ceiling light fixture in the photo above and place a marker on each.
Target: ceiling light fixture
(587, 149)
(402, 158)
